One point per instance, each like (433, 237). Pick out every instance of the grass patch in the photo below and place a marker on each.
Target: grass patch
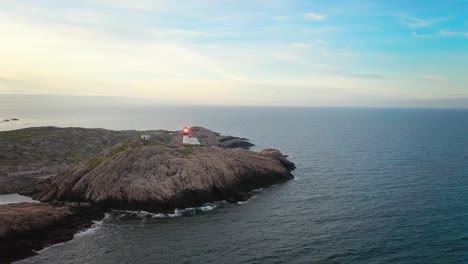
(125, 145)
(95, 162)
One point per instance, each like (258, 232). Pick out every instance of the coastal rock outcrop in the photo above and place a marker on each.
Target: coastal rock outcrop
(25, 227)
(159, 178)
(30, 155)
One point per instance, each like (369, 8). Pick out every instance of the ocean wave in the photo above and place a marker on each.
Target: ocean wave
(94, 227)
(177, 212)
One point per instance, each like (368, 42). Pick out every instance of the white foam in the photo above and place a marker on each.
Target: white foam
(96, 225)
(177, 212)
(207, 207)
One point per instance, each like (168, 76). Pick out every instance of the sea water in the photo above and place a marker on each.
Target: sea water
(371, 186)
(15, 198)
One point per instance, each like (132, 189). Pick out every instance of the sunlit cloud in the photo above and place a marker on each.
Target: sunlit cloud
(315, 16)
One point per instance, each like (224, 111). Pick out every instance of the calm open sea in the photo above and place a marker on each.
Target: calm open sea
(372, 186)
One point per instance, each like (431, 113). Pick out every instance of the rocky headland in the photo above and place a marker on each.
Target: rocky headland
(78, 172)
(157, 178)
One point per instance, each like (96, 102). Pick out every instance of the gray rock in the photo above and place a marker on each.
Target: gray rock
(28, 227)
(159, 179)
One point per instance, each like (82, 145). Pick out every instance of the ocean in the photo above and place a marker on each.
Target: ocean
(372, 186)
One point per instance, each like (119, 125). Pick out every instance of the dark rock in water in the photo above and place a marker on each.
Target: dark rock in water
(242, 196)
(239, 197)
(236, 143)
(14, 119)
(27, 227)
(159, 179)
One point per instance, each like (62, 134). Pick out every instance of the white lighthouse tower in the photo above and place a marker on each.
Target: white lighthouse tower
(185, 136)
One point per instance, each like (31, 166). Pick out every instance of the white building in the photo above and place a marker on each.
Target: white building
(194, 141)
(145, 137)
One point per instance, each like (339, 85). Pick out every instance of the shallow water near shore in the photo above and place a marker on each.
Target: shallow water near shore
(15, 198)
(372, 186)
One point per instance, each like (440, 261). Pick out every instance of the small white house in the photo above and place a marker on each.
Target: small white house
(145, 137)
(194, 141)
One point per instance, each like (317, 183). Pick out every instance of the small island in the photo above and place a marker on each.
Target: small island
(9, 119)
(80, 173)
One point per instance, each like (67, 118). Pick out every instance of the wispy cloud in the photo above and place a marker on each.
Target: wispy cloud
(453, 34)
(300, 45)
(433, 77)
(372, 76)
(339, 72)
(415, 22)
(143, 5)
(315, 16)
(419, 22)
(423, 36)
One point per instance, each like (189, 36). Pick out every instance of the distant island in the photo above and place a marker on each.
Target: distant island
(80, 173)
(8, 119)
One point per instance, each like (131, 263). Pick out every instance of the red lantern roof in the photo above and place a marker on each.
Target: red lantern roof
(185, 132)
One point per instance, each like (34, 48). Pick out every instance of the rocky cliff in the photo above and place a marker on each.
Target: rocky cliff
(159, 178)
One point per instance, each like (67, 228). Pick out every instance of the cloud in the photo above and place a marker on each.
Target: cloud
(453, 34)
(142, 5)
(433, 77)
(350, 74)
(300, 45)
(418, 22)
(423, 36)
(315, 16)
(426, 28)
(414, 22)
(366, 76)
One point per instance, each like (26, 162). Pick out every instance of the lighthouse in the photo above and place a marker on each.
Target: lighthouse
(185, 136)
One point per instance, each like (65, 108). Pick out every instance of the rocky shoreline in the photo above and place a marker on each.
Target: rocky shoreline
(80, 173)
(27, 227)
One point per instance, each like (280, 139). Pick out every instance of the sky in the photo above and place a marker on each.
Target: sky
(255, 52)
